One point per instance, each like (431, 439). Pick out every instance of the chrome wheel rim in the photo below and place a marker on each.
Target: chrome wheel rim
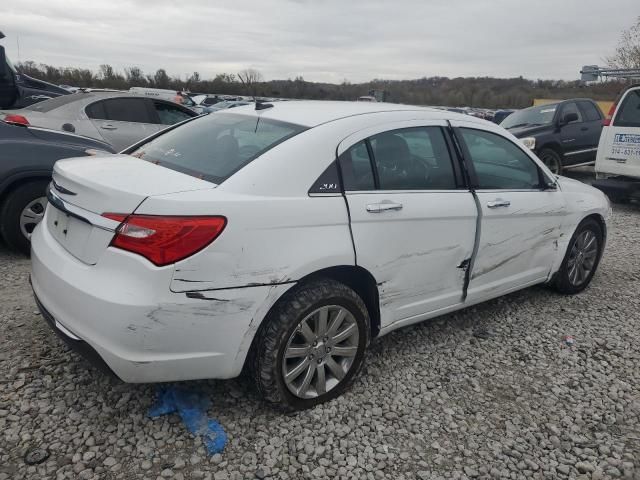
(552, 163)
(582, 257)
(31, 215)
(320, 352)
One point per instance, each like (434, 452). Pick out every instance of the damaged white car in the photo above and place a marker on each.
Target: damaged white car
(285, 238)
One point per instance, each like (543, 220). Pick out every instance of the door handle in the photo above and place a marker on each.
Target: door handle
(383, 207)
(584, 129)
(498, 202)
(108, 126)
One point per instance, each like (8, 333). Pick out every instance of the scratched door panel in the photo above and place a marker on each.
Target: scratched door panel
(518, 242)
(414, 253)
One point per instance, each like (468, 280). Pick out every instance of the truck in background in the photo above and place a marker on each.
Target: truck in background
(18, 90)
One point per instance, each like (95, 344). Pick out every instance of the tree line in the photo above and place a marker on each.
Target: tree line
(483, 92)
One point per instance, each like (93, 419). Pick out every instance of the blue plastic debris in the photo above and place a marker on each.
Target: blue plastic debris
(192, 408)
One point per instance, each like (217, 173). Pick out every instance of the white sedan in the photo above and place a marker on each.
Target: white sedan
(286, 238)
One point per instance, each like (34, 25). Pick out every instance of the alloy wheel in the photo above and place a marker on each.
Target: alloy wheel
(582, 257)
(320, 352)
(31, 215)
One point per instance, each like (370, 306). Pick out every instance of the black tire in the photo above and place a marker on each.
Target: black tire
(552, 160)
(12, 208)
(563, 283)
(273, 336)
(618, 199)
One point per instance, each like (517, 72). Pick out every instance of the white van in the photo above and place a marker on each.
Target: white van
(164, 94)
(618, 159)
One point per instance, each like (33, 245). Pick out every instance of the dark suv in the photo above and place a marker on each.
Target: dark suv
(561, 134)
(27, 155)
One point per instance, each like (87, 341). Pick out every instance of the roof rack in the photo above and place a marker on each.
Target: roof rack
(592, 73)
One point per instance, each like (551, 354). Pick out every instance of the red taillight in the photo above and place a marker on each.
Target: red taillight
(607, 121)
(16, 119)
(165, 239)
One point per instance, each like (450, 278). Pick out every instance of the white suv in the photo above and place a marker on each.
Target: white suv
(285, 238)
(618, 159)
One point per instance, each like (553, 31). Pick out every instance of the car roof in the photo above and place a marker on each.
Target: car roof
(84, 97)
(310, 113)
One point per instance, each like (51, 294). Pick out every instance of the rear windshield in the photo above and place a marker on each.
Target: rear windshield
(215, 146)
(629, 112)
(57, 102)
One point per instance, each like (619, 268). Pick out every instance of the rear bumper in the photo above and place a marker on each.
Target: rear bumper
(122, 313)
(618, 187)
(80, 347)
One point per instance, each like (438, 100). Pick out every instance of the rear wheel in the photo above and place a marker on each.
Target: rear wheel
(552, 160)
(22, 210)
(311, 346)
(582, 258)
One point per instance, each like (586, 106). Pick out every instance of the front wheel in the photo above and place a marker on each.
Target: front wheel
(22, 210)
(552, 160)
(311, 346)
(582, 258)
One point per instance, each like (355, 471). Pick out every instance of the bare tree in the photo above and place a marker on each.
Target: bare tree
(250, 79)
(627, 53)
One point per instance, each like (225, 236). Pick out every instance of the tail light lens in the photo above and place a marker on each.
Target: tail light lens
(16, 119)
(164, 240)
(607, 121)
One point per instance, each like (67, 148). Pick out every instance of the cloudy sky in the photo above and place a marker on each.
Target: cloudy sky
(322, 40)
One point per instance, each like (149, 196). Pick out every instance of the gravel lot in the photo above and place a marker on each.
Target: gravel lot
(490, 392)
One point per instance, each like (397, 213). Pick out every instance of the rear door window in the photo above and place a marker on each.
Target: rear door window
(413, 159)
(628, 114)
(590, 111)
(214, 147)
(128, 110)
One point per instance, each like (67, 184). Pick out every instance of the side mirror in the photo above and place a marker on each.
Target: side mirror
(569, 117)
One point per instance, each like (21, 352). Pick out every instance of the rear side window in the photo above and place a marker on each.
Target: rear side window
(629, 111)
(590, 112)
(127, 110)
(96, 111)
(355, 164)
(214, 147)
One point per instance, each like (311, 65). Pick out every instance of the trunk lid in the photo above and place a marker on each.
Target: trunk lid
(85, 188)
(117, 183)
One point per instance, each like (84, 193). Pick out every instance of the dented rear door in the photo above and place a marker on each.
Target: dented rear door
(413, 227)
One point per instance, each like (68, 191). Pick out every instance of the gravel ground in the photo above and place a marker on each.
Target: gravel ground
(490, 392)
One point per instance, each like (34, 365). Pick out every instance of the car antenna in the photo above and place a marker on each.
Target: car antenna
(260, 105)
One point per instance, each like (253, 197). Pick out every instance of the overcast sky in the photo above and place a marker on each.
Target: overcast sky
(322, 40)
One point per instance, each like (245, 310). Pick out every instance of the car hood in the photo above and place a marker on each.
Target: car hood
(521, 132)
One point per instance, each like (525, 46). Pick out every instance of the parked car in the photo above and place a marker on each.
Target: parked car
(27, 155)
(18, 90)
(562, 134)
(118, 118)
(224, 105)
(500, 115)
(288, 238)
(618, 160)
(175, 96)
